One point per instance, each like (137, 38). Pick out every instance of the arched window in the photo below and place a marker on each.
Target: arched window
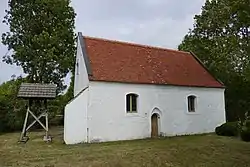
(191, 103)
(131, 102)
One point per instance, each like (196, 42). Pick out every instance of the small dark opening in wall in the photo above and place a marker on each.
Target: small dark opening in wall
(191, 103)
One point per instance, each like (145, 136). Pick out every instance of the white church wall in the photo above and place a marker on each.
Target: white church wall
(75, 119)
(108, 120)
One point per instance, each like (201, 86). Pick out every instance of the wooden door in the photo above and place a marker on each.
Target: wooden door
(154, 126)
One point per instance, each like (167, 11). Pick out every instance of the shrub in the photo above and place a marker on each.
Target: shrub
(227, 129)
(248, 124)
(245, 134)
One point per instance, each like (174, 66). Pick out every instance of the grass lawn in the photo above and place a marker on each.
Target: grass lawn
(201, 150)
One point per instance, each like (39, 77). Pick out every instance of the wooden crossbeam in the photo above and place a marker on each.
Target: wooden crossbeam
(40, 116)
(23, 137)
(45, 128)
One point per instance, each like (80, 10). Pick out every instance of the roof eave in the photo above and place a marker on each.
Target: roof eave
(144, 83)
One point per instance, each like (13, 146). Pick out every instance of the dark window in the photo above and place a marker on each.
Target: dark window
(191, 103)
(131, 102)
(128, 102)
(77, 67)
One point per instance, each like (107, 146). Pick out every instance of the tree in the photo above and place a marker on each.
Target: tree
(12, 110)
(220, 38)
(42, 39)
(57, 106)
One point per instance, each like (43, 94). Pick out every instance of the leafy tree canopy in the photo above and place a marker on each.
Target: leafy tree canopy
(12, 110)
(42, 39)
(221, 39)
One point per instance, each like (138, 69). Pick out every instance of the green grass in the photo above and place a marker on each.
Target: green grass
(200, 150)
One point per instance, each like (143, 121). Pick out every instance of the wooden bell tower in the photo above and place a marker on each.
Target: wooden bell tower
(33, 92)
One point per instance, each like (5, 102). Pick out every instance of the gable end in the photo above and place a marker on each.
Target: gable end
(84, 53)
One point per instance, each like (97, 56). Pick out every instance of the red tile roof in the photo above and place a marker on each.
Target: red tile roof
(132, 63)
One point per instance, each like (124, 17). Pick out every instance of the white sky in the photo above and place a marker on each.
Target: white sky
(152, 22)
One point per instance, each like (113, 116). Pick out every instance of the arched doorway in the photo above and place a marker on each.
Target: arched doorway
(154, 126)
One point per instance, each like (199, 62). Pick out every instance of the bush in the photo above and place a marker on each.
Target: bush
(248, 124)
(227, 129)
(245, 134)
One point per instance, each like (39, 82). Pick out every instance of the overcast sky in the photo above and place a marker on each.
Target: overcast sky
(152, 22)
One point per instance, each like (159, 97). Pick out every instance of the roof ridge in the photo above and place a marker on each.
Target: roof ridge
(134, 44)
